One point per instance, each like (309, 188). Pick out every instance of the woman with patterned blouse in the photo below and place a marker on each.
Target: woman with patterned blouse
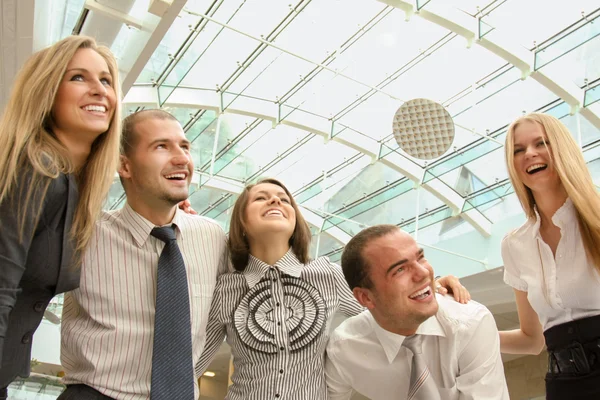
(276, 309)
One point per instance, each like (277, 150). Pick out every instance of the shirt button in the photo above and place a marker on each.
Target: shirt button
(39, 306)
(277, 395)
(282, 348)
(277, 304)
(279, 324)
(281, 371)
(26, 339)
(570, 330)
(275, 280)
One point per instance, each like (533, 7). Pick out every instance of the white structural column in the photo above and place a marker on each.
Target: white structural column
(16, 41)
(515, 54)
(210, 100)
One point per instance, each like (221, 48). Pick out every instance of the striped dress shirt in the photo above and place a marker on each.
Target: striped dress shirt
(108, 323)
(277, 321)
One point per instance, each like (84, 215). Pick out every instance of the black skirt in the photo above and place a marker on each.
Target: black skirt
(574, 360)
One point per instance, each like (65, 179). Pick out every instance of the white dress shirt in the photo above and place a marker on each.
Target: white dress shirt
(561, 289)
(108, 323)
(461, 347)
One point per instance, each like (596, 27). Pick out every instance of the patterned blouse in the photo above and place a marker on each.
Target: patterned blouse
(277, 320)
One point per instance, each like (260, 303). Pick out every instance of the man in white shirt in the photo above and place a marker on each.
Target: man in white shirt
(372, 353)
(109, 323)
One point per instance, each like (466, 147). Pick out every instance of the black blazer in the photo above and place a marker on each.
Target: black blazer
(34, 267)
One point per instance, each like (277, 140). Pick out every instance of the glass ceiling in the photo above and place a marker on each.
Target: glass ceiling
(305, 91)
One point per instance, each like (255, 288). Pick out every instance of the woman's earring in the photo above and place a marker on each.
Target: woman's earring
(244, 234)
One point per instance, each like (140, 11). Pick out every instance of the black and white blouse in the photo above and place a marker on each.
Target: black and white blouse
(277, 321)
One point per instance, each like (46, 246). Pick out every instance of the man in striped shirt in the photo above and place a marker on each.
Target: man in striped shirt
(108, 323)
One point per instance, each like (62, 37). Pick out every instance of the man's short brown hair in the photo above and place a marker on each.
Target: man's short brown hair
(128, 137)
(354, 265)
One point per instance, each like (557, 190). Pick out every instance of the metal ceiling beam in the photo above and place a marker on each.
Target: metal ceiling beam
(151, 45)
(467, 26)
(146, 95)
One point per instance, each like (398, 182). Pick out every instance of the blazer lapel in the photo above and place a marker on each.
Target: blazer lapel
(68, 276)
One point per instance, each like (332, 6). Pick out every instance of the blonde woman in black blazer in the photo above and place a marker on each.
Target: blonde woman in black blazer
(59, 138)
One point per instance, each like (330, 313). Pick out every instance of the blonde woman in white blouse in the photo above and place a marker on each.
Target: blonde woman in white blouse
(553, 260)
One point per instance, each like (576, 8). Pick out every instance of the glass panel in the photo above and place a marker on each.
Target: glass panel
(271, 75)
(215, 66)
(565, 44)
(373, 116)
(592, 95)
(487, 195)
(382, 51)
(462, 66)
(312, 34)
(397, 204)
(168, 48)
(464, 156)
(323, 244)
(326, 94)
(422, 3)
(376, 182)
(513, 19)
(319, 193)
(311, 162)
(582, 63)
(116, 196)
(506, 105)
(502, 209)
(253, 160)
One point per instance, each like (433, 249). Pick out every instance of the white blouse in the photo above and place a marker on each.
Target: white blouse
(561, 289)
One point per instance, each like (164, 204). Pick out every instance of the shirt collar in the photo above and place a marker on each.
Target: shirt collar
(256, 269)
(561, 217)
(392, 342)
(140, 227)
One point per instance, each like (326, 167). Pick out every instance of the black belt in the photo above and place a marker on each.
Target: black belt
(575, 359)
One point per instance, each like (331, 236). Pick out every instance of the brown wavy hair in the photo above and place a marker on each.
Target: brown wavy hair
(238, 243)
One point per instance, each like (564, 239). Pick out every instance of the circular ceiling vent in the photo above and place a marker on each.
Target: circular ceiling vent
(423, 129)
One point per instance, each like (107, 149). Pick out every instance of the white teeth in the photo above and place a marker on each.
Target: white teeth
(95, 108)
(274, 212)
(535, 166)
(420, 292)
(180, 176)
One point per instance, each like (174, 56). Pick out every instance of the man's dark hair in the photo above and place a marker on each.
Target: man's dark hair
(128, 134)
(354, 265)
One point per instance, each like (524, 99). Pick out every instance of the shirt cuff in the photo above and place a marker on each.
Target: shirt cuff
(515, 282)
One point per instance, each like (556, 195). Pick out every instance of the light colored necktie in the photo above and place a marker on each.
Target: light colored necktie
(422, 386)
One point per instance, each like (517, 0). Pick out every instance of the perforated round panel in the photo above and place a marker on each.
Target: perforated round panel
(423, 129)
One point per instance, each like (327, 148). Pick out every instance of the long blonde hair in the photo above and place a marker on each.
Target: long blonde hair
(28, 142)
(574, 175)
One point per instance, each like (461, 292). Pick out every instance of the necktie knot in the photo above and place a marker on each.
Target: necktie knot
(414, 343)
(164, 233)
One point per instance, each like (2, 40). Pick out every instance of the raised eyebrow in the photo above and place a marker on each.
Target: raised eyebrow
(87, 71)
(396, 264)
(421, 252)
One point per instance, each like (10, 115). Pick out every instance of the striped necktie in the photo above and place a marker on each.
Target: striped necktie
(172, 359)
(422, 386)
